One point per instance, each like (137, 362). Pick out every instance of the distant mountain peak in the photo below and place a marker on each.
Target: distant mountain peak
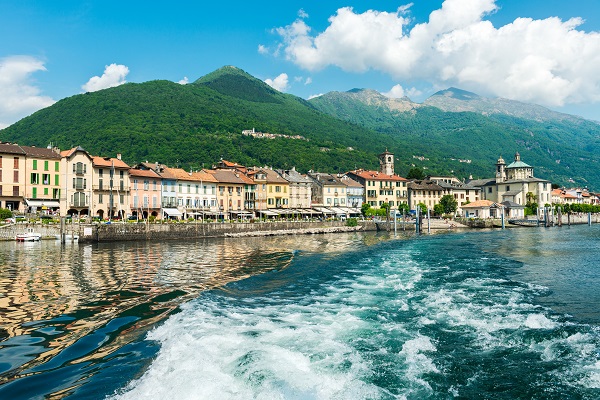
(235, 82)
(458, 94)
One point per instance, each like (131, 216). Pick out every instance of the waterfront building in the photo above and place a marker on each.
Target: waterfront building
(77, 177)
(382, 186)
(482, 209)
(42, 182)
(300, 188)
(515, 183)
(232, 186)
(328, 190)
(12, 177)
(355, 192)
(110, 180)
(573, 196)
(145, 199)
(463, 193)
(277, 189)
(168, 191)
(424, 192)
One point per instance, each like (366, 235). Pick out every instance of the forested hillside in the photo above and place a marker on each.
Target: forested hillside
(195, 125)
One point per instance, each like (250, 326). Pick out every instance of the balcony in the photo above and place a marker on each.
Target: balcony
(78, 204)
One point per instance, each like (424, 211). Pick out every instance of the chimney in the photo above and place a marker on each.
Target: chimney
(118, 156)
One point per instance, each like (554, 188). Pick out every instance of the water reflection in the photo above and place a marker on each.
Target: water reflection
(73, 304)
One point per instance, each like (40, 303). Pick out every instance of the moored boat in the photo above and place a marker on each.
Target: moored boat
(28, 236)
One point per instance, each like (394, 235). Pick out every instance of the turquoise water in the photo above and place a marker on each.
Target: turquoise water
(487, 314)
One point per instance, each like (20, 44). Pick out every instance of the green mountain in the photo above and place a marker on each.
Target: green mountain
(195, 125)
(459, 131)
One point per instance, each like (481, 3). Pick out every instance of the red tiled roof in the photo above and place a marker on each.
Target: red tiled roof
(479, 204)
(377, 176)
(41, 152)
(143, 173)
(108, 162)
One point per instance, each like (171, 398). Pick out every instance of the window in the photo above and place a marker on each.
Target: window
(100, 184)
(16, 163)
(15, 190)
(45, 191)
(79, 183)
(56, 180)
(101, 172)
(16, 177)
(34, 193)
(34, 164)
(0, 161)
(122, 198)
(46, 179)
(55, 193)
(153, 185)
(197, 189)
(56, 166)
(35, 178)
(329, 200)
(135, 201)
(100, 198)
(122, 185)
(121, 174)
(145, 201)
(180, 188)
(277, 189)
(490, 189)
(135, 184)
(46, 165)
(507, 188)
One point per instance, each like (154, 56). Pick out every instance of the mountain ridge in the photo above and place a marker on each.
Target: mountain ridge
(195, 125)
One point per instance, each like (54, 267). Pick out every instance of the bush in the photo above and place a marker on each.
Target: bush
(351, 222)
(5, 213)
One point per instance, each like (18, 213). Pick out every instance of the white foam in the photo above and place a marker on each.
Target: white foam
(539, 321)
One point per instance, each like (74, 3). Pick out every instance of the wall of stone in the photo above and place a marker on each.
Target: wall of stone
(178, 231)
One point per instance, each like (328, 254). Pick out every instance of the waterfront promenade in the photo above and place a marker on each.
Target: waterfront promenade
(127, 231)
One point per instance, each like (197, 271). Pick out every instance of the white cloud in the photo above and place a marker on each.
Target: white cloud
(19, 96)
(546, 61)
(280, 83)
(262, 49)
(184, 81)
(308, 81)
(114, 75)
(397, 92)
(302, 13)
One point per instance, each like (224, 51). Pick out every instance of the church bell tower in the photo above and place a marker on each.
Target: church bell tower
(386, 163)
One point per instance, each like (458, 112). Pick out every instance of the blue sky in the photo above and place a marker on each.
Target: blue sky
(539, 51)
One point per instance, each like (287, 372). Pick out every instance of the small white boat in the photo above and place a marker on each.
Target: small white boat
(28, 236)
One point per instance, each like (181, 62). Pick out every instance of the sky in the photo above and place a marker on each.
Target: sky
(537, 51)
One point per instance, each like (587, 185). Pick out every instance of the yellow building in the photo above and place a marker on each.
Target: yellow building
(12, 177)
(42, 169)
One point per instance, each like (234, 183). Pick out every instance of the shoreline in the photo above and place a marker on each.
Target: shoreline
(94, 233)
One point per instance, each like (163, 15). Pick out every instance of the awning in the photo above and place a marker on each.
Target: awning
(269, 213)
(242, 213)
(172, 212)
(42, 203)
(324, 210)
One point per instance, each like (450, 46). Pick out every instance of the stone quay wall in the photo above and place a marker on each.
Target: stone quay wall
(10, 232)
(183, 231)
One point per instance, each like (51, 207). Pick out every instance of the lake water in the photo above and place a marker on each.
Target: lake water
(478, 314)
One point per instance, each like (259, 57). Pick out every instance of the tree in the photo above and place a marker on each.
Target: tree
(403, 208)
(423, 208)
(438, 209)
(5, 213)
(415, 173)
(449, 204)
(364, 209)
